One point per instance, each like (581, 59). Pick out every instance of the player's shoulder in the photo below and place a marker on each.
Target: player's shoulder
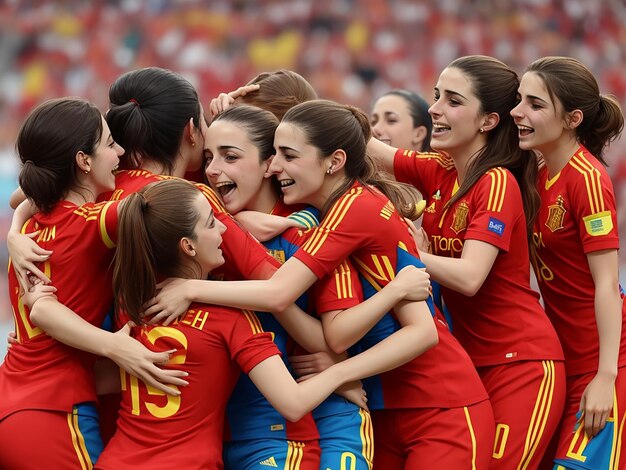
(442, 160)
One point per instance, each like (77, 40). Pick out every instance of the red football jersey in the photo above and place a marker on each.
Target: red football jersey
(339, 290)
(503, 321)
(364, 225)
(245, 257)
(40, 372)
(154, 430)
(577, 217)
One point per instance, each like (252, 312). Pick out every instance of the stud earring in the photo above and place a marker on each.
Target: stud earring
(329, 171)
(481, 130)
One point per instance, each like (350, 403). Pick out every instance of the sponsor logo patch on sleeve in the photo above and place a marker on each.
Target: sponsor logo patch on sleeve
(496, 226)
(600, 223)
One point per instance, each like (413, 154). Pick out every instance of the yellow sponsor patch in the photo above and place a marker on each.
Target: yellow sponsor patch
(600, 223)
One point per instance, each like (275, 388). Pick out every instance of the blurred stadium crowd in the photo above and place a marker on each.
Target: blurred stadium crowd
(350, 50)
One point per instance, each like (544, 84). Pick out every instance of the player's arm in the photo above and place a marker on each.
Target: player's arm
(465, 274)
(71, 329)
(343, 328)
(23, 250)
(597, 399)
(263, 226)
(383, 154)
(16, 198)
(292, 400)
(275, 294)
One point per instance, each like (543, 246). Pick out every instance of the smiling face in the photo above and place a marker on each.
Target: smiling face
(298, 167)
(392, 123)
(539, 119)
(457, 116)
(208, 237)
(234, 168)
(104, 162)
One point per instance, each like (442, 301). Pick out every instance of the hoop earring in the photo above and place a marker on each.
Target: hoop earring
(481, 130)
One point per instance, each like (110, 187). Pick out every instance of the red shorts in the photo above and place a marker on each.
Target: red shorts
(607, 450)
(36, 439)
(527, 399)
(455, 438)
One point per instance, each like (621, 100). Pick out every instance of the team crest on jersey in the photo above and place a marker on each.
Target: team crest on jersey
(459, 221)
(556, 215)
(279, 255)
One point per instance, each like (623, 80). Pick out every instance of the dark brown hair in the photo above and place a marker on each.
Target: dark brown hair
(149, 109)
(279, 91)
(496, 85)
(418, 109)
(330, 126)
(151, 224)
(574, 86)
(259, 124)
(47, 144)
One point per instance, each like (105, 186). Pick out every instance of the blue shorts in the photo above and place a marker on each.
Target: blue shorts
(607, 450)
(261, 454)
(347, 441)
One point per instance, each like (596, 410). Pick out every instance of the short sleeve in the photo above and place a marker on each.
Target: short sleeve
(248, 343)
(593, 204)
(497, 208)
(338, 291)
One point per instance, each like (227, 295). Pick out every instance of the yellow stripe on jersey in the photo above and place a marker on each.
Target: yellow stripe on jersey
(213, 198)
(295, 453)
(442, 160)
(78, 442)
(143, 173)
(387, 210)
(384, 271)
(342, 281)
(592, 181)
(103, 226)
(498, 189)
(618, 444)
(332, 219)
(617, 435)
(304, 218)
(540, 415)
(367, 437)
(255, 323)
(468, 418)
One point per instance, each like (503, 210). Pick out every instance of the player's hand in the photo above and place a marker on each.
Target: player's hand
(420, 237)
(354, 392)
(225, 100)
(12, 339)
(37, 290)
(24, 253)
(264, 226)
(413, 283)
(170, 302)
(596, 403)
(136, 359)
(308, 365)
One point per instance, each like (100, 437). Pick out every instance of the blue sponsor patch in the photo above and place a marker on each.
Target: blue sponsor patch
(495, 226)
